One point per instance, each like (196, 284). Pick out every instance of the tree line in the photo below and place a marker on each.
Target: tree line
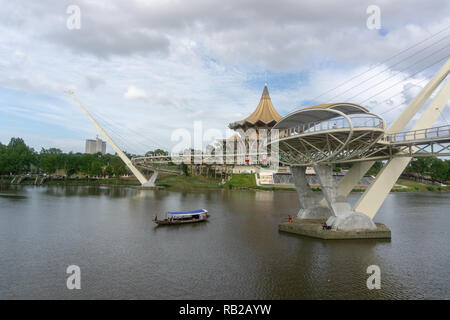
(17, 158)
(433, 167)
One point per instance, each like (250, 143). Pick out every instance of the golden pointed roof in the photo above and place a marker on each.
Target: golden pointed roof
(264, 115)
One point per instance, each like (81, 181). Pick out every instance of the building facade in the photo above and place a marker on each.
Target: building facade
(95, 146)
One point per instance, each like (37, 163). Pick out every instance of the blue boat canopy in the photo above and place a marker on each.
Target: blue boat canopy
(188, 212)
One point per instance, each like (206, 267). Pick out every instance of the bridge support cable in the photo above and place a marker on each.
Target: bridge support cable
(376, 193)
(414, 63)
(115, 130)
(443, 32)
(359, 169)
(384, 61)
(401, 92)
(407, 115)
(399, 82)
(122, 155)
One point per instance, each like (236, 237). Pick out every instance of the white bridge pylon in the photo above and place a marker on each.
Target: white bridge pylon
(144, 182)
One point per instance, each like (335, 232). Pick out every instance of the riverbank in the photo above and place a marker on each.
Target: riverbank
(248, 181)
(120, 182)
(237, 182)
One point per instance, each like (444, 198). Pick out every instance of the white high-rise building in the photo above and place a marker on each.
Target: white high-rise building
(94, 146)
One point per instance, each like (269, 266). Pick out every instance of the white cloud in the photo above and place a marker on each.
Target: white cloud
(149, 67)
(134, 93)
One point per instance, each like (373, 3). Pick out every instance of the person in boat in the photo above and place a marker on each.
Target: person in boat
(290, 218)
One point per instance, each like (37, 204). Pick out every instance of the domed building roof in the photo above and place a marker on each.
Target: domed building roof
(264, 116)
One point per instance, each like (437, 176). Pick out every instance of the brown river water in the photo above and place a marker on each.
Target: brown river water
(238, 254)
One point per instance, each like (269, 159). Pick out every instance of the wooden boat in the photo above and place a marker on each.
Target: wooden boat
(179, 217)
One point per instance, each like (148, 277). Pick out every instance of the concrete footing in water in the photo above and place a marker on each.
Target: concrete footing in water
(313, 228)
(149, 187)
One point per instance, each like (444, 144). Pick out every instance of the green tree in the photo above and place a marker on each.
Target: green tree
(96, 167)
(447, 178)
(160, 152)
(17, 157)
(118, 166)
(3, 160)
(72, 163)
(439, 169)
(109, 171)
(421, 165)
(85, 163)
(51, 160)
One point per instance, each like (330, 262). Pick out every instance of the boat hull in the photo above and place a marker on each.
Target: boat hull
(164, 222)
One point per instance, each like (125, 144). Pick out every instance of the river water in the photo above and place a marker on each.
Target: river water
(238, 254)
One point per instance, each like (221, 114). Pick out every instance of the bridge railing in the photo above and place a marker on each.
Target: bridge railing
(423, 134)
(206, 158)
(336, 123)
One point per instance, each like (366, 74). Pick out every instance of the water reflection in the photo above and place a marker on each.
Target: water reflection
(86, 191)
(11, 196)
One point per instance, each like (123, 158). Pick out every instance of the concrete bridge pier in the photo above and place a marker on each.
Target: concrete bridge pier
(151, 181)
(310, 207)
(337, 212)
(342, 215)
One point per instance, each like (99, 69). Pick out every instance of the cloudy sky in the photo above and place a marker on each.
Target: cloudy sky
(145, 68)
